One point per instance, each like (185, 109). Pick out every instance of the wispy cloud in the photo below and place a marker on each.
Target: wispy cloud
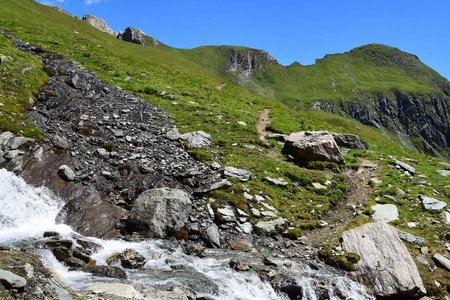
(52, 2)
(90, 2)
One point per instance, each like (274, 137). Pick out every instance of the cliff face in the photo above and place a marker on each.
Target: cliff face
(244, 63)
(419, 121)
(99, 23)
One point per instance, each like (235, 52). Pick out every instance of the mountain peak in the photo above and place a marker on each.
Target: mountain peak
(99, 23)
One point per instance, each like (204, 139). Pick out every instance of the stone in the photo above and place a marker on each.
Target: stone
(247, 196)
(268, 214)
(277, 181)
(5, 136)
(385, 212)
(11, 280)
(255, 212)
(135, 36)
(385, 264)
(432, 203)
(240, 245)
(349, 141)
(222, 184)
(102, 153)
(411, 238)
(313, 146)
(277, 136)
(78, 253)
(11, 154)
(404, 166)
(442, 261)
(15, 142)
(213, 235)
(173, 134)
(61, 253)
(318, 185)
(225, 214)
(98, 23)
(60, 142)
(159, 212)
(66, 173)
(238, 265)
(131, 259)
(118, 133)
(242, 175)
(123, 290)
(269, 226)
(106, 271)
(446, 217)
(444, 172)
(198, 139)
(246, 227)
(74, 262)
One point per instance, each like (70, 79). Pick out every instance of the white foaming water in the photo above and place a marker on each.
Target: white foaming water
(27, 212)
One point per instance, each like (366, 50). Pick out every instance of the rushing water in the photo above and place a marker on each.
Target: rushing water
(27, 212)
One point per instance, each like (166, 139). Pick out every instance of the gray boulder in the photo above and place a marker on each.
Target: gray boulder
(442, 261)
(404, 166)
(213, 235)
(11, 280)
(60, 142)
(313, 146)
(5, 136)
(411, 238)
(269, 226)
(349, 141)
(159, 212)
(385, 265)
(242, 175)
(99, 23)
(432, 203)
(15, 142)
(66, 173)
(198, 139)
(385, 212)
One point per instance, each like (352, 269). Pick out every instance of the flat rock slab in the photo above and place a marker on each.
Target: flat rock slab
(442, 261)
(432, 203)
(242, 175)
(123, 290)
(385, 212)
(444, 172)
(11, 280)
(385, 263)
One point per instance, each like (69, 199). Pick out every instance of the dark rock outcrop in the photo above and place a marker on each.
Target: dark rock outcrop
(137, 36)
(350, 141)
(408, 115)
(244, 63)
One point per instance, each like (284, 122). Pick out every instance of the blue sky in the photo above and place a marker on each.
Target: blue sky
(291, 30)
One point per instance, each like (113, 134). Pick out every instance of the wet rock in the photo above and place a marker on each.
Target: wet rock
(131, 259)
(442, 261)
(411, 238)
(54, 243)
(385, 212)
(312, 146)
(60, 142)
(198, 139)
(51, 234)
(61, 253)
(123, 290)
(106, 271)
(213, 235)
(11, 280)
(238, 265)
(350, 141)
(159, 212)
(90, 215)
(77, 253)
(66, 173)
(74, 262)
(269, 226)
(385, 264)
(287, 285)
(242, 175)
(432, 203)
(277, 181)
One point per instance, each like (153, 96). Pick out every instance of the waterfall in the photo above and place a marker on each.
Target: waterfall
(27, 212)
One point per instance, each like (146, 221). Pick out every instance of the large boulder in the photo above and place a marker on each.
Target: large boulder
(350, 141)
(385, 263)
(313, 146)
(99, 23)
(159, 212)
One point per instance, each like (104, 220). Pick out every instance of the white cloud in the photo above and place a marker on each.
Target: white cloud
(90, 2)
(51, 2)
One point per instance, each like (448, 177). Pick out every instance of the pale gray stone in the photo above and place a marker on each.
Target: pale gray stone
(432, 203)
(442, 261)
(12, 280)
(385, 212)
(242, 175)
(270, 226)
(385, 264)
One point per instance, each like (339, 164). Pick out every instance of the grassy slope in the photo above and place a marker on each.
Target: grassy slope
(200, 105)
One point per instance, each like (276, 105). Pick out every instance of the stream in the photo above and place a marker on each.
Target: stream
(27, 212)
